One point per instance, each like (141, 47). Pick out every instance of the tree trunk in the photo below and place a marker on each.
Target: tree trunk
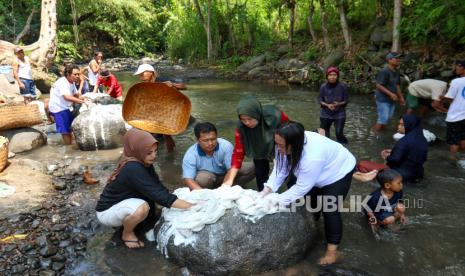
(206, 25)
(291, 7)
(344, 24)
(324, 23)
(311, 11)
(396, 26)
(27, 27)
(43, 51)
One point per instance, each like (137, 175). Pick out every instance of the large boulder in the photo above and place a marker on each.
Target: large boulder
(333, 59)
(230, 243)
(252, 63)
(24, 139)
(100, 127)
(43, 80)
(262, 72)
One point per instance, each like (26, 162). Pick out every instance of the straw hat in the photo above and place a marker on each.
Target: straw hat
(157, 108)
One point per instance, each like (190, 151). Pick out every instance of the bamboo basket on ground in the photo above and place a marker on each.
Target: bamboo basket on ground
(19, 115)
(3, 152)
(157, 108)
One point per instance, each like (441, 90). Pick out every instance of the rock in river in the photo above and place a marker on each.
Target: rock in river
(235, 245)
(101, 127)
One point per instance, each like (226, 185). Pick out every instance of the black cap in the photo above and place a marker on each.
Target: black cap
(392, 55)
(460, 63)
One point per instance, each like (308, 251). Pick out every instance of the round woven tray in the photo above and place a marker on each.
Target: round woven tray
(3, 152)
(157, 108)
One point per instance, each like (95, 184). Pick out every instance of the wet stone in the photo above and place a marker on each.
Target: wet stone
(18, 269)
(33, 263)
(47, 273)
(58, 227)
(42, 241)
(35, 223)
(9, 247)
(78, 238)
(58, 266)
(48, 250)
(45, 263)
(59, 258)
(26, 247)
(58, 183)
(64, 243)
(14, 219)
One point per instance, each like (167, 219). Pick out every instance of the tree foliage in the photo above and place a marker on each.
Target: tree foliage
(238, 27)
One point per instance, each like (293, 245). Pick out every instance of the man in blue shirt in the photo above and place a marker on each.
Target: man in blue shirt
(206, 163)
(388, 91)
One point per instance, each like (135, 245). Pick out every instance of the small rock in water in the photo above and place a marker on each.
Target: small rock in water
(56, 218)
(45, 263)
(58, 266)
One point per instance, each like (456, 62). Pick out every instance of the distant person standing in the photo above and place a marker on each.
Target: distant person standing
(333, 100)
(94, 69)
(388, 91)
(112, 85)
(426, 93)
(22, 73)
(62, 97)
(456, 114)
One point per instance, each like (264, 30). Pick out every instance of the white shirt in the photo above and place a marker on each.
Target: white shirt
(323, 162)
(428, 89)
(24, 68)
(60, 88)
(457, 107)
(92, 76)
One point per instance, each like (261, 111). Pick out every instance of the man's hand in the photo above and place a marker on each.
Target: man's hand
(402, 101)
(21, 85)
(394, 97)
(403, 219)
(331, 107)
(385, 153)
(266, 190)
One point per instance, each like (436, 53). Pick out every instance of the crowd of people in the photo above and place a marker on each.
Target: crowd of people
(309, 162)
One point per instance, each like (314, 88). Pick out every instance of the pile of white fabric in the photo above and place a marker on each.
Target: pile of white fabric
(429, 136)
(210, 206)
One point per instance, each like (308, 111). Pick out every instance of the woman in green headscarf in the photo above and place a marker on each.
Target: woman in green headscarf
(254, 138)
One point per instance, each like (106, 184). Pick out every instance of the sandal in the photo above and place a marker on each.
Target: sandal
(139, 244)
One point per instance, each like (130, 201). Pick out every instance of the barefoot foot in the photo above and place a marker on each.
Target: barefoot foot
(330, 257)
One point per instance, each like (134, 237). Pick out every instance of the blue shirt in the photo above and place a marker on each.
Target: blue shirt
(330, 93)
(389, 79)
(195, 159)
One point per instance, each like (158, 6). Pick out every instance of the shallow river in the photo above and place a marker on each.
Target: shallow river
(433, 243)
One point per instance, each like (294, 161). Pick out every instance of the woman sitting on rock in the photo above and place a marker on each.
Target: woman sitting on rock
(134, 188)
(254, 138)
(323, 168)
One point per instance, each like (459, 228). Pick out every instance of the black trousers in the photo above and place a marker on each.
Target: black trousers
(338, 125)
(262, 171)
(333, 220)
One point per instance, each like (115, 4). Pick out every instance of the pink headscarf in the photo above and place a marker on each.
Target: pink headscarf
(332, 69)
(136, 146)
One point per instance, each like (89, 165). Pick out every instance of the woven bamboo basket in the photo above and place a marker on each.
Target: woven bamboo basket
(20, 115)
(3, 152)
(157, 108)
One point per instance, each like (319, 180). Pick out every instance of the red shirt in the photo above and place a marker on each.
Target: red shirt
(114, 88)
(238, 152)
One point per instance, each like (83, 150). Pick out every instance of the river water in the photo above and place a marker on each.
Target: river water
(433, 243)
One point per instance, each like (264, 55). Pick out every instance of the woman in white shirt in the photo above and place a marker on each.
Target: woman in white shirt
(322, 167)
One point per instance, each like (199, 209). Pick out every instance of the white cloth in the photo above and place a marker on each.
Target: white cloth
(209, 208)
(457, 94)
(24, 68)
(115, 215)
(429, 136)
(60, 88)
(428, 89)
(323, 162)
(91, 75)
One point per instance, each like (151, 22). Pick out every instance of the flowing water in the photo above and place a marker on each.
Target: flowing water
(433, 243)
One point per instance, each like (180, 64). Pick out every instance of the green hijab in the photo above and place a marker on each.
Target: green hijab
(258, 141)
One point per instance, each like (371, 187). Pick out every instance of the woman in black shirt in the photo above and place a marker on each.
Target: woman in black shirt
(133, 187)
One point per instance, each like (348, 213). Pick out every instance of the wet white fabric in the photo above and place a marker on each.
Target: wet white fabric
(429, 136)
(210, 206)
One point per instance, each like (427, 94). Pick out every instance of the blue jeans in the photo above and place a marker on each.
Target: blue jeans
(385, 112)
(29, 87)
